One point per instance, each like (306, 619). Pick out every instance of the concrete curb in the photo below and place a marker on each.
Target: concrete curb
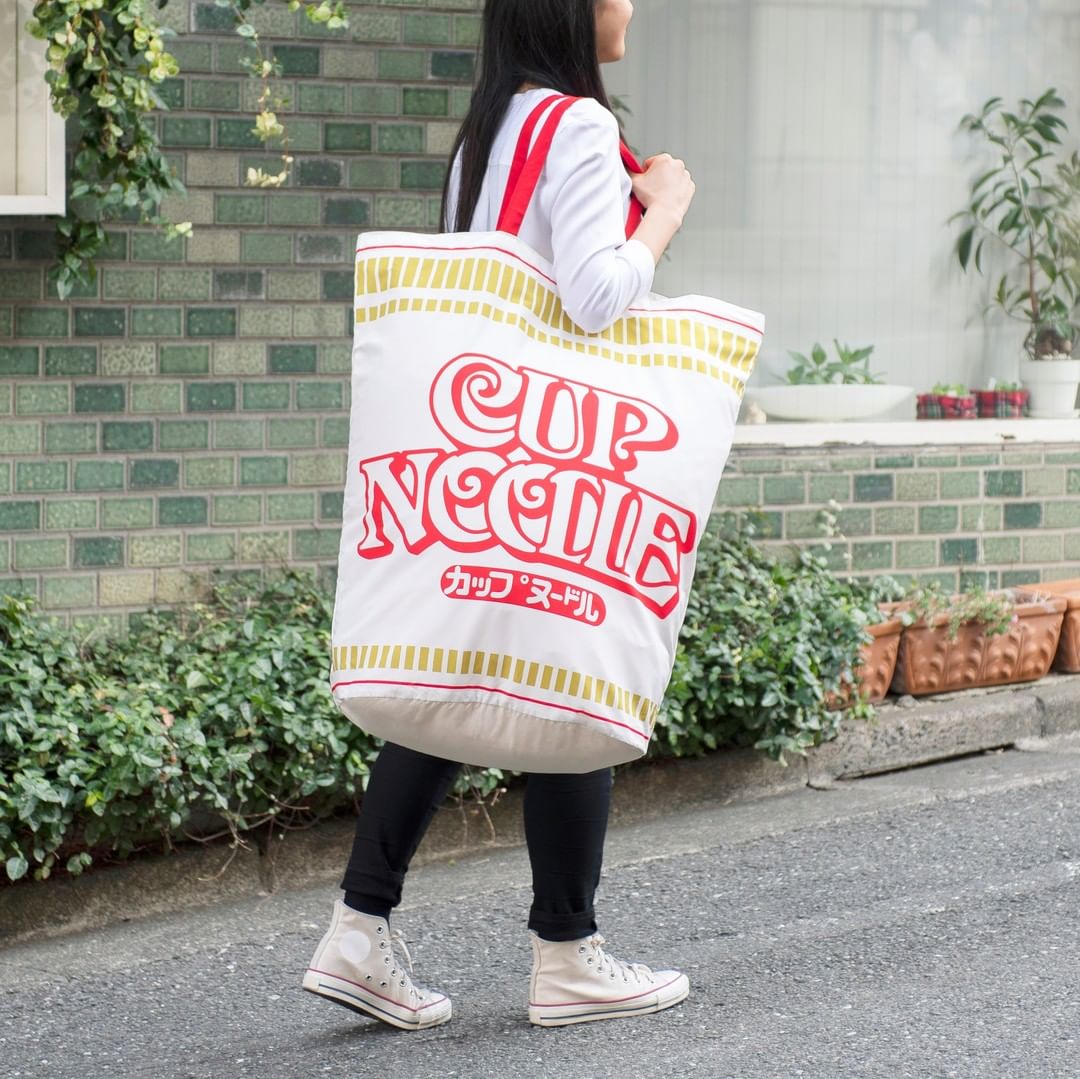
(902, 735)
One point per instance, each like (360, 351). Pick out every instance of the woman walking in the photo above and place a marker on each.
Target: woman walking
(532, 50)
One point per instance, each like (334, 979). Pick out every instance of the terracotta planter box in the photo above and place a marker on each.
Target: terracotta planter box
(928, 662)
(875, 672)
(879, 660)
(1067, 659)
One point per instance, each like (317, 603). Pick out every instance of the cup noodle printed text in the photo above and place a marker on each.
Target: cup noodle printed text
(538, 467)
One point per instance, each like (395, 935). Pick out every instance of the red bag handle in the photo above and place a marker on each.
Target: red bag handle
(521, 151)
(527, 167)
(520, 187)
(637, 210)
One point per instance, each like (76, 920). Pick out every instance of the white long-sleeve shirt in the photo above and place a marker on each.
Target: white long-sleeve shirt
(577, 217)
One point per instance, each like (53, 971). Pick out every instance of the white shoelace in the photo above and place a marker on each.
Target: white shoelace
(398, 938)
(614, 967)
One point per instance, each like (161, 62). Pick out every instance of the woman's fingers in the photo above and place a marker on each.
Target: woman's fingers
(665, 181)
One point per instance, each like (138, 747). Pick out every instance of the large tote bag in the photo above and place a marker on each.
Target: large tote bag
(524, 500)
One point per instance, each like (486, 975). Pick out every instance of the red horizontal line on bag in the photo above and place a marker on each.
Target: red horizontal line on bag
(540, 273)
(490, 689)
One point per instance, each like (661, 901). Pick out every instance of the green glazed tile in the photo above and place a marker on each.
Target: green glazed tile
(97, 551)
(211, 396)
(99, 476)
(100, 321)
(184, 435)
(154, 472)
(119, 436)
(68, 514)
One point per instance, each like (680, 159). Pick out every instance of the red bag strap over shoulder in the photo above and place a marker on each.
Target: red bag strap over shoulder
(522, 182)
(521, 151)
(528, 164)
(637, 210)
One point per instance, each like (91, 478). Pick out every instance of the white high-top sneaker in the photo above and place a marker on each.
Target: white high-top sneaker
(576, 981)
(355, 965)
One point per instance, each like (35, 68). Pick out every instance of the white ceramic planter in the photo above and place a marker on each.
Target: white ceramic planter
(827, 403)
(1053, 385)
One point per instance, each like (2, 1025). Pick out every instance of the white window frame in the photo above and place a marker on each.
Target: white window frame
(30, 130)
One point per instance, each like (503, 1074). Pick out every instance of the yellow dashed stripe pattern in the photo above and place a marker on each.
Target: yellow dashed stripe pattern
(496, 665)
(531, 306)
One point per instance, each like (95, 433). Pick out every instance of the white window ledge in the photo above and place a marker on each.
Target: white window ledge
(908, 433)
(32, 161)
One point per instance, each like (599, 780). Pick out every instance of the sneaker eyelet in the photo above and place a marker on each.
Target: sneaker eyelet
(379, 929)
(382, 985)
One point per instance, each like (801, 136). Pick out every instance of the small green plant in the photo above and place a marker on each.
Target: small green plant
(1026, 206)
(261, 65)
(849, 367)
(926, 603)
(950, 389)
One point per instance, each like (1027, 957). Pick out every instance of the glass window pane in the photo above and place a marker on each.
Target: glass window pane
(823, 140)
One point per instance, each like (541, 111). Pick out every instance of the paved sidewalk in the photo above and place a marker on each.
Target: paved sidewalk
(921, 923)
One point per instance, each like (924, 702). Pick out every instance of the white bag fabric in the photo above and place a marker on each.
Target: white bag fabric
(523, 503)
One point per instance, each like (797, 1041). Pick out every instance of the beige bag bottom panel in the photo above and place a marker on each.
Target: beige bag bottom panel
(489, 736)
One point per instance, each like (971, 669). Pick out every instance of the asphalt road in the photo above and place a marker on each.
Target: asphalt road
(920, 924)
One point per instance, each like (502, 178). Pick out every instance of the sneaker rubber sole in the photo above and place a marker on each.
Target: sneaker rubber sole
(656, 1000)
(364, 1001)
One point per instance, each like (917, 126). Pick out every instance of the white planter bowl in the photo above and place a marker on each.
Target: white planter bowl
(1053, 385)
(827, 403)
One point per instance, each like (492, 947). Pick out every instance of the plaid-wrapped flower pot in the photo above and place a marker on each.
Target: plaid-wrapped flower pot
(1002, 404)
(943, 406)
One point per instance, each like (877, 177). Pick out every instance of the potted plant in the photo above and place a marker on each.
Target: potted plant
(1067, 660)
(979, 638)
(879, 658)
(1052, 376)
(1003, 400)
(946, 401)
(868, 681)
(829, 389)
(1026, 204)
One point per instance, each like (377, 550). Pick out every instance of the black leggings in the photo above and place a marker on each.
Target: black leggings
(565, 823)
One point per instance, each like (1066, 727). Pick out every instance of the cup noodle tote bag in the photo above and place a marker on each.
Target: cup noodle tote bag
(524, 500)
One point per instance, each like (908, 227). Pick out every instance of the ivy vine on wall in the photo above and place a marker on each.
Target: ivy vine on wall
(107, 60)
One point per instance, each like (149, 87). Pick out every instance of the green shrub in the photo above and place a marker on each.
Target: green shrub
(219, 714)
(766, 641)
(220, 711)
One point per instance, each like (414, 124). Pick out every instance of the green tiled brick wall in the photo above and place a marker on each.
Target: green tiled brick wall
(962, 515)
(191, 408)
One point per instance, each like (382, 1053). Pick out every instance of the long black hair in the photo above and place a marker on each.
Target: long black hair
(551, 43)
